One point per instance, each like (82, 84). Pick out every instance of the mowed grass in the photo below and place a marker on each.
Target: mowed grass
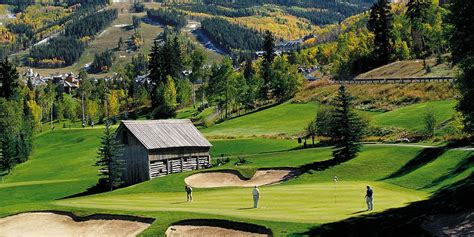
(242, 146)
(62, 165)
(412, 117)
(305, 203)
(284, 119)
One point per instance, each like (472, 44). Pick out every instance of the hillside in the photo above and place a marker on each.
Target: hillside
(411, 68)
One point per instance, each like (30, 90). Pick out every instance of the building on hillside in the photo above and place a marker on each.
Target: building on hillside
(156, 148)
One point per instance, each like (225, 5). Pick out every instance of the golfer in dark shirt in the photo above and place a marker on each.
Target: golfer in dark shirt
(369, 199)
(189, 193)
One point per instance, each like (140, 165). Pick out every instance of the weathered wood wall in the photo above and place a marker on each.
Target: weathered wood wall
(136, 160)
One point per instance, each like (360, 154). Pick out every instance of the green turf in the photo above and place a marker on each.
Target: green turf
(284, 119)
(411, 117)
(232, 147)
(62, 165)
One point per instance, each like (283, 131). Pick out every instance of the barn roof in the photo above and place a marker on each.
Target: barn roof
(167, 133)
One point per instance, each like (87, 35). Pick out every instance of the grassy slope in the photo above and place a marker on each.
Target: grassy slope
(411, 68)
(411, 117)
(287, 119)
(290, 119)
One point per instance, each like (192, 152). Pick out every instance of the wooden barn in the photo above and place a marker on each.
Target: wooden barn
(154, 148)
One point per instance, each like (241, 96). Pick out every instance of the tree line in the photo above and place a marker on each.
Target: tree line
(216, 10)
(231, 37)
(16, 118)
(169, 17)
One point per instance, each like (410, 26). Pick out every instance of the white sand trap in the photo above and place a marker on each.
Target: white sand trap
(49, 224)
(226, 179)
(207, 231)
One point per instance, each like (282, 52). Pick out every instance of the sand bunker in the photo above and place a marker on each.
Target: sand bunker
(208, 231)
(51, 224)
(230, 178)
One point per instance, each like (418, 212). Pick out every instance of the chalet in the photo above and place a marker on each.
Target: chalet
(156, 148)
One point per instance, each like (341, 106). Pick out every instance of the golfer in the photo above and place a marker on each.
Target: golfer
(256, 196)
(369, 199)
(189, 193)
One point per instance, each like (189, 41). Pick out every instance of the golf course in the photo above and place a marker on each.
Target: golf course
(61, 172)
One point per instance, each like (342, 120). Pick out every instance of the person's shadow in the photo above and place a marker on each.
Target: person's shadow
(173, 203)
(245, 208)
(358, 212)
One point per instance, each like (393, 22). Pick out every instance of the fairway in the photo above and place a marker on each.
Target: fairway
(411, 117)
(284, 119)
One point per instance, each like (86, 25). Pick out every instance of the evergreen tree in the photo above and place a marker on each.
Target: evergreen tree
(120, 43)
(249, 71)
(176, 60)
(269, 48)
(462, 41)
(347, 129)
(109, 159)
(380, 23)
(9, 80)
(155, 68)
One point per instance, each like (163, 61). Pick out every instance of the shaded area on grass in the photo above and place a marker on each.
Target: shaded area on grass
(426, 156)
(408, 221)
(460, 168)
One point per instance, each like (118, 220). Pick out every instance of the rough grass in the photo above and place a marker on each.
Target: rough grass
(380, 97)
(412, 68)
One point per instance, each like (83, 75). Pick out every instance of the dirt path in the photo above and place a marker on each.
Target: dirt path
(227, 179)
(49, 224)
(208, 231)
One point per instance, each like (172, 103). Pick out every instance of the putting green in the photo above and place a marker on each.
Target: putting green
(303, 203)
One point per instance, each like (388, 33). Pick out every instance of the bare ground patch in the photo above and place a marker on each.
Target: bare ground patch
(233, 178)
(52, 224)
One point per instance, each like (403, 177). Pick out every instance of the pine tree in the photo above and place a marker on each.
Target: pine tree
(155, 69)
(381, 24)
(347, 128)
(269, 48)
(109, 159)
(249, 71)
(9, 80)
(462, 40)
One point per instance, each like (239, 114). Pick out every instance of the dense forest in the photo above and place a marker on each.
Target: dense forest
(230, 37)
(327, 4)
(66, 49)
(169, 17)
(217, 10)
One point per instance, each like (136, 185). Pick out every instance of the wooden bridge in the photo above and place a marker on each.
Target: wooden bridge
(402, 80)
